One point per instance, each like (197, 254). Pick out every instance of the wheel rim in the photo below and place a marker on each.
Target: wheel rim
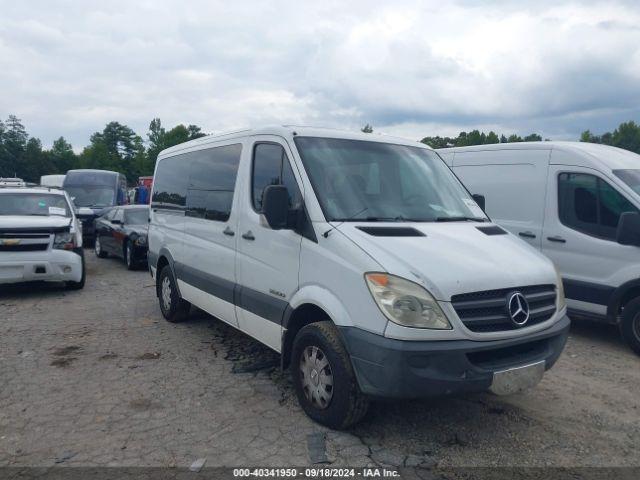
(128, 254)
(97, 246)
(317, 377)
(166, 293)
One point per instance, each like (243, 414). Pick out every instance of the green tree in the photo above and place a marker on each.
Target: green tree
(492, 138)
(627, 136)
(533, 137)
(367, 128)
(62, 156)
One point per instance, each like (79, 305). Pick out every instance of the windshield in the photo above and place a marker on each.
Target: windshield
(358, 180)
(91, 195)
(34, 204)
(138, 216)
(630, 177)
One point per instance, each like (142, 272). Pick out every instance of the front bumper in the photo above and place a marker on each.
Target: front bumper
(48, 266)
(390, 368)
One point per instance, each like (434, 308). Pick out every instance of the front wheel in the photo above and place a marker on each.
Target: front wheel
(174, 309)
(78, 285)
(323, 377)
(129, 258)
(97, 248)
(630, 326)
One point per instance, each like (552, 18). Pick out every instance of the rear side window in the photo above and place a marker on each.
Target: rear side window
(170, 183)
(589, 204)
(212, 181)
(271, 167)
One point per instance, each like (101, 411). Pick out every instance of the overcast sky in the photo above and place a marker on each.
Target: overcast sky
(412, 68)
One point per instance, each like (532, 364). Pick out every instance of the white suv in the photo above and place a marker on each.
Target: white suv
(360, 258)
(40, 237)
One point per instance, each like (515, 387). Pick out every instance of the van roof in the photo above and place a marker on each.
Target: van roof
(605, 155)
(290, 131)
(91, 170)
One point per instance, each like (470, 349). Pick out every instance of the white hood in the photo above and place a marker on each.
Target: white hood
(33, 221)
(455, 257)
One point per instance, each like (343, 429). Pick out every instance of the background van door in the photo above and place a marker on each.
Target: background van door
(268, 260)
(514, 184)
(583, 210)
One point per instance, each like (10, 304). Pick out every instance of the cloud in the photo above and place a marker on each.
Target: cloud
(409, 67)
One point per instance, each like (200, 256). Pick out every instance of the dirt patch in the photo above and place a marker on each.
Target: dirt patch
(141, 404)
(109, 356)
(64, 351)
(149, 356)
(63, 362)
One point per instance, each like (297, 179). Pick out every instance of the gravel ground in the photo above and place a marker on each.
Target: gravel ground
(98, 378)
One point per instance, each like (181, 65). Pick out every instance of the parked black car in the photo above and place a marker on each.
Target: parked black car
(122, 231)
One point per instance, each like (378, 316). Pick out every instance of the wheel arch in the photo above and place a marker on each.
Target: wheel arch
(309, 305)
(165, 258)
(621, 296)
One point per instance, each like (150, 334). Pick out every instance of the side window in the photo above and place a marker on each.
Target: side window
(212, 182)
(271, 167)
(110, 214)
(589, 204)
(119, 215)
(170, 183)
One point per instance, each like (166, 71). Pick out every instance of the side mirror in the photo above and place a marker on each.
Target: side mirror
(275, 206)
(629, 229)
(480, 200)
(116, 222)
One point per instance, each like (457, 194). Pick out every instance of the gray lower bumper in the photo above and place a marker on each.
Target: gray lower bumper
(392, 368)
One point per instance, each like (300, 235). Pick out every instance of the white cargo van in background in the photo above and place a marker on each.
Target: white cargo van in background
(579, 204)
(360, 258)
(52, 180)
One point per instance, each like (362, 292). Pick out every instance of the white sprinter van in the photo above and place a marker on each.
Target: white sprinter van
(360, 258)
(579, 204)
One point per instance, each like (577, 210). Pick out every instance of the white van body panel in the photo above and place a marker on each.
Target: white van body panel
(591, 265)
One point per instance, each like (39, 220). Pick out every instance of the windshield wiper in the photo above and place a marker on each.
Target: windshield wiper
(459, 219)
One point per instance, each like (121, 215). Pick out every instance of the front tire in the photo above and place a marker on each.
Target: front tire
(78, 285)
(129, 258)
(630, 325)
(174, 309)
(97, 248)
(323, 377)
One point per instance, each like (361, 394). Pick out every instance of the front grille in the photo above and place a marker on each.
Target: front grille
(27, 247)
(487, 311)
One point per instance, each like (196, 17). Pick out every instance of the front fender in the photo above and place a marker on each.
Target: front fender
(324, 299)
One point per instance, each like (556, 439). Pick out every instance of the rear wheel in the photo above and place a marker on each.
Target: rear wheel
(323, 377)
(630, 325)
(174, 309)
(97, 247)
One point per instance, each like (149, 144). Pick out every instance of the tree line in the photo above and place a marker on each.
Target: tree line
(117, 147)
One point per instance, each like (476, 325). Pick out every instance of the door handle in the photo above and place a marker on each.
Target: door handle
(527, 234)
(228, 231)
(557, 239)
(248, 236)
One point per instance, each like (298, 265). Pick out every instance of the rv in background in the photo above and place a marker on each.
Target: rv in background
(12, 182)
(52, 180)
(578, 203)
(93, 191)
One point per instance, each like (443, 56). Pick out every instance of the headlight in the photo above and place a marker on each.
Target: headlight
(406, 303)
(141, 240)
(561, 302)
(64, 241)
